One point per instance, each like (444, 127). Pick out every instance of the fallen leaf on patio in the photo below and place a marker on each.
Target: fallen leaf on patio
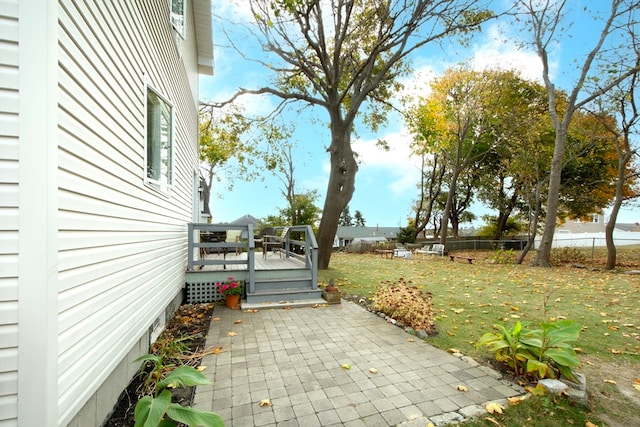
(216, 319)
(514, 400)
(238, 321)
(610, 382)
(251, 310)
(345, 366)
(431, 424)
(265, 402)
(231, 334)
(373, 370)
(411, 340)
(462, 388)
(201, 368)
(494, 408)
(493, 421)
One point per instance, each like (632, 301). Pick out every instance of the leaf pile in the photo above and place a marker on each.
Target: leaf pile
(406, 304)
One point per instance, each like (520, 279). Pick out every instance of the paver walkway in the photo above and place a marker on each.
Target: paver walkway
(294, 358)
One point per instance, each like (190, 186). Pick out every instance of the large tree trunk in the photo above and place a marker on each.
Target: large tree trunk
(623, 160)
(533, 227)
(339, 190)
(543, 257)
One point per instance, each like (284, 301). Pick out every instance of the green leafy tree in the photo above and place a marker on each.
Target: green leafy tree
(546, 23)
(466, 117)
(346, 220)
(303, 210)
(359, 219)
(345, 57)
(220, 139)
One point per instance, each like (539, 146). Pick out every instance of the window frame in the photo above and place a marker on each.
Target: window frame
(158, 183)
(177, 18)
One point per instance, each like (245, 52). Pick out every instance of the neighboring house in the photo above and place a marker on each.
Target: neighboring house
(346, 235)
(98, 181)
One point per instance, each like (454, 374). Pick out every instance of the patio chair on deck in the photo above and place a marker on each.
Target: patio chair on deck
(233, 236)
(274, 242)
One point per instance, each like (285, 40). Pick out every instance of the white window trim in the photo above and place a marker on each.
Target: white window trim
(180, 29)
(155, 184)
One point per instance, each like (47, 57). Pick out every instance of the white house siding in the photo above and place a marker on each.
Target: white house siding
(8, 212)
(122, 244)
(91, 256)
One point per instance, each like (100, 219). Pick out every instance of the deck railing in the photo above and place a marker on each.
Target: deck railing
(300, 243)
(210, 238)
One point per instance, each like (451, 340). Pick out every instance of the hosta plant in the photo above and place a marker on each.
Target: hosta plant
(543, 352)
(159, 411)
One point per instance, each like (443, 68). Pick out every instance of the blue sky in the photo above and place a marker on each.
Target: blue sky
(386, 181)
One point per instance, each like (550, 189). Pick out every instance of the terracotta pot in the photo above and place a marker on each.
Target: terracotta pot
(232, 301)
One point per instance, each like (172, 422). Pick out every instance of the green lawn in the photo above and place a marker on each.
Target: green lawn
(470, 299)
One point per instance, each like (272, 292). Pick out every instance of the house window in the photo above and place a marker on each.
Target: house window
(596, 218)
(159, 153)
(177, 15)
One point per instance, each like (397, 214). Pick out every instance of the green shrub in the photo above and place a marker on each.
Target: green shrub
(544, 352)
(567, 255)
(502, 257)
(406, 304)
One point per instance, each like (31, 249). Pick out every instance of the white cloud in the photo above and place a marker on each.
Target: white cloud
(501, 51)
(398, 165)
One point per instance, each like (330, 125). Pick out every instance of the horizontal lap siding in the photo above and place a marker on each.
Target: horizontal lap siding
(9, 213)
(122, 244)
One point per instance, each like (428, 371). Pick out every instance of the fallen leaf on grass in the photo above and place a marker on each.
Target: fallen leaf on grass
(231, 334)
(451, 334)
(453, 350)
(590, 424)
(265, 402)
(462, 388)
(494, 408)
(493, 421)
(636, 386)
(610, 382)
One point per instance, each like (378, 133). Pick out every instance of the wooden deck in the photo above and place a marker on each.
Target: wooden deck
(273, 261)
(288, 277)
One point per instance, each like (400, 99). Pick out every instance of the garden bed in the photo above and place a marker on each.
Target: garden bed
(189, 325)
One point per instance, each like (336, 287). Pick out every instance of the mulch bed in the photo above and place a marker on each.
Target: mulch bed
(192, 321)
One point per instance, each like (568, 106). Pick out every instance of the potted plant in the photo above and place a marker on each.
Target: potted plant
(232, 291)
